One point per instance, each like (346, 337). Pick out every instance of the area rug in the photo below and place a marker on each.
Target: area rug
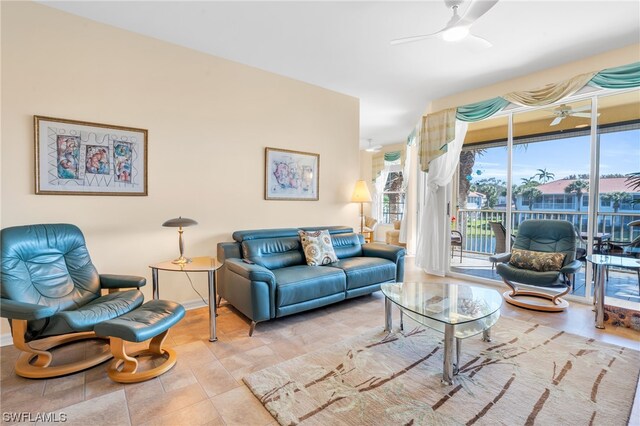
(528, 374)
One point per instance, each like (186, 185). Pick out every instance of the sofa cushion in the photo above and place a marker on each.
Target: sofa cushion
(317, 247)
(273, 253)
(301, 283)
(87, 316)
(257, 234)
(333, 230)
(347, 245)
(364, 271)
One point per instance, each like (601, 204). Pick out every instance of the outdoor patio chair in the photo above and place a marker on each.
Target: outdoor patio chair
(625, 249)
(581, 253)
(542, 257)
(500, 234)
(456, 241)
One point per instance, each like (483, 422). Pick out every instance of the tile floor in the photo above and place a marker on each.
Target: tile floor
(205, 387)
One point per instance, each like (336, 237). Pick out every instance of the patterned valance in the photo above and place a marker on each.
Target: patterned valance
(438, 131)
(439, 128)
(380, 160)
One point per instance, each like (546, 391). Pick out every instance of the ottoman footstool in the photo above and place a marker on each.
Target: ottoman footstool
(150, 321)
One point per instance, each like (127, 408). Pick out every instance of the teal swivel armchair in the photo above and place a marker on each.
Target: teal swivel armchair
(546, 285)
(52, 293)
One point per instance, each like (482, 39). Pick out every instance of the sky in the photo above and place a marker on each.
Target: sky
(620, 153)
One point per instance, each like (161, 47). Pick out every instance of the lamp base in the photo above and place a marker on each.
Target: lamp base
(181, 260)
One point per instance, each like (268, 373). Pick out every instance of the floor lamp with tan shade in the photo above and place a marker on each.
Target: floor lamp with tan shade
(361, 195)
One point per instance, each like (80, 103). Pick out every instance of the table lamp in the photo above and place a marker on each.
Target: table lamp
(361, 195)
(179, 223)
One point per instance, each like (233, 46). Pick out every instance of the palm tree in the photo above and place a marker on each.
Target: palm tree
(633, 180)
(529, 190)
(544, 176)
(617, 198)
(578, 187)
(467, 161)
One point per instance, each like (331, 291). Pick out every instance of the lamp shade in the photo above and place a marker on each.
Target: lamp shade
(361, 193)
(179, 222)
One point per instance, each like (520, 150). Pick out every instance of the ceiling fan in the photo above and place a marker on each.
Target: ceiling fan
(374, 148)
(458, 27)
(563, 111)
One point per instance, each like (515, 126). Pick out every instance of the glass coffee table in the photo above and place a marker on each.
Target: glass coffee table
(457, 310)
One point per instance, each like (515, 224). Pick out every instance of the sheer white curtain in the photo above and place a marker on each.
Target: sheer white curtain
(407, 217)
(376, 202)
(433, 227)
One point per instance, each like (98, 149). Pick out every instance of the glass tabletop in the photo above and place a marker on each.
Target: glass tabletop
(444, 303)
(197, 264)
(624, 262)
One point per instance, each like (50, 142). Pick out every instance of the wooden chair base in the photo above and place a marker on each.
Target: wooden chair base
(124, 367)
(535, 300)
(35, 363)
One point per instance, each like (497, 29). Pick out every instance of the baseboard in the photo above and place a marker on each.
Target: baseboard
(6, 339)
(193, 304)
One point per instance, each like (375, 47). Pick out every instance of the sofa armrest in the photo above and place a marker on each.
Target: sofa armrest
(500, 258)
(389, 252)
(24, 311)
(250, 288)
(110, 281)
(252, 272)
(572, 267)
(385, 251)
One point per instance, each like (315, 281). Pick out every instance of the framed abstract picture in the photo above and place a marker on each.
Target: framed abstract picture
(291, 175)
(82, 158)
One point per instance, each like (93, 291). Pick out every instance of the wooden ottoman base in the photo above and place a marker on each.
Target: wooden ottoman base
(151, 322)
(124, 367)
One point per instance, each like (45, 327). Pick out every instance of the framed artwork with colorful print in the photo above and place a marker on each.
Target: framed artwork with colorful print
(291, 175)
(83, 158)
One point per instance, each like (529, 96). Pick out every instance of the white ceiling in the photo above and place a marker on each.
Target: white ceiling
(344, 46)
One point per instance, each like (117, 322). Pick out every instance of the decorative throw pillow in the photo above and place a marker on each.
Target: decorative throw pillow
(536, 260)
(317, 247)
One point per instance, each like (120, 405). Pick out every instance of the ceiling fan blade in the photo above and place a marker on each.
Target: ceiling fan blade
(477, 42)
(581, 114)
(415, 38)
(476, 9)
(556, 121)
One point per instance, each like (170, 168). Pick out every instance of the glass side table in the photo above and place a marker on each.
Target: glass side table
(198, 264)
(601, 262)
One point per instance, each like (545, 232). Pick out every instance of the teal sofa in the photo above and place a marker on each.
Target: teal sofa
(265, 275)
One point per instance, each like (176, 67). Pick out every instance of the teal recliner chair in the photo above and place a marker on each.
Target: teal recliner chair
(51, 293)
(540, 287)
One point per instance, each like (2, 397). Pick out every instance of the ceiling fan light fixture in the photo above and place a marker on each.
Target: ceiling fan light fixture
(455, 33)
(373, 148)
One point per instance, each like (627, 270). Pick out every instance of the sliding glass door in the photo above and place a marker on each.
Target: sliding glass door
(551, 163)
(571, 161)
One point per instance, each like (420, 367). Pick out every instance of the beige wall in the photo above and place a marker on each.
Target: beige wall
(209, 121)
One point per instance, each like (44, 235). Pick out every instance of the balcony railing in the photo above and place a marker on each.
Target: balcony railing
(478, 237)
